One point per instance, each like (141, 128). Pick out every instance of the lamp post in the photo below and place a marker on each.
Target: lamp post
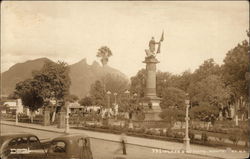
(67, 118)
(127, 96)
(164, 84)
(237, 106)
(115, 106)
(130, 125)
(108, 93)
(16, 117)
(16, 112)
(136, 100)
(115, 94)
(186, 138)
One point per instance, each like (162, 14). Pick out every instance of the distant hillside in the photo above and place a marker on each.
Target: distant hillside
(82, 75)
(19, 72)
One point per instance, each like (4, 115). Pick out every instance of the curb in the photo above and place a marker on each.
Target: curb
(54, 131)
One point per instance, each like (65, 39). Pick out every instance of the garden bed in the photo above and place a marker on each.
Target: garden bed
(167, 136)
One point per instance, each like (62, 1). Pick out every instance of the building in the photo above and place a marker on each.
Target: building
(75, 107)
(13, 106)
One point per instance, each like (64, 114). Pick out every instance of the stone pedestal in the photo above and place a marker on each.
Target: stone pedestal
(150, 92)
(62, 121)
(46, 120)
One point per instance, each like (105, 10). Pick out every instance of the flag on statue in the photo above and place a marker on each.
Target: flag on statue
(162, 37)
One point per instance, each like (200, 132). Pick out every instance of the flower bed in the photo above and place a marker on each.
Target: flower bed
(169, 135)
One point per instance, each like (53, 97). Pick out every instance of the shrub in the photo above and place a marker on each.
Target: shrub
(178, 135)
(219, 139)
(234, 138)
(139, 130)
(22, 115)
(39, 116)
(204, 137)
(191, 136)
(149, 132)
(161, 132)
(130, 130)
(169, 133)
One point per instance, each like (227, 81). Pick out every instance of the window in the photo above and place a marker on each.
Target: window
(21, 141)
(13, 142)
(33, 139)
(34, 143)
(58, 146)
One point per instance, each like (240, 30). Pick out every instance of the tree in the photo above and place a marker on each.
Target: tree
(115, 83)
(133, 105)
(183, 81)
(205, 112)
(86, 101)
(209, 67)
(51, 82)
(173, 115)
(98, 94)
(138, 83)
(236, 64)
(55, 80)
(104, 53)
(163, 80)
(211, 90)
(71, 98)
(173, 97)
(29, 92)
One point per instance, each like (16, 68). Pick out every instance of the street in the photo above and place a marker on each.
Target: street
(103, 149)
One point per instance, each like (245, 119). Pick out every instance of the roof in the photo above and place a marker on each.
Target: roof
(75, 105)
(4, 137)
(10, 103)
(11, 135)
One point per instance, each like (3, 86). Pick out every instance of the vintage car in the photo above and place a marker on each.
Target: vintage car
(28, 146)
(20, 145)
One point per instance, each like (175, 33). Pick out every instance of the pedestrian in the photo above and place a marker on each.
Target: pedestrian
(123, 142)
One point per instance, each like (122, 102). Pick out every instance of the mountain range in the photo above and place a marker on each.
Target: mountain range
(81, 73)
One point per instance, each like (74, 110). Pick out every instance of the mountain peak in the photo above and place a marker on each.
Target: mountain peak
(95, 64)
(82, 75)
(83, 61)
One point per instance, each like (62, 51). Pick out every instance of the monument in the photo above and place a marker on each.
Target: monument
(152, 112)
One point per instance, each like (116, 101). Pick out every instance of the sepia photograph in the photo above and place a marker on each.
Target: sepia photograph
(124, 80)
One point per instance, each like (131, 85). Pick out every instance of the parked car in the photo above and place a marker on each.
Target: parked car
(20, 145)
(28, 146)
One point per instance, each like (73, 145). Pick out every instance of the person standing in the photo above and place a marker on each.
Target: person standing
(123, 142)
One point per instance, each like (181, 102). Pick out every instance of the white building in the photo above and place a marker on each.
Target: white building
(14, 105)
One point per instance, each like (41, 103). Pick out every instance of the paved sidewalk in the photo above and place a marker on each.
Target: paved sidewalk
(159, 146)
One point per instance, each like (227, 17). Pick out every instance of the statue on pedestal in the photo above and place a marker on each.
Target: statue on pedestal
(151, 51)
(153, 111)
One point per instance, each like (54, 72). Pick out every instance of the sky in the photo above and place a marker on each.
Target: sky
(71, 31)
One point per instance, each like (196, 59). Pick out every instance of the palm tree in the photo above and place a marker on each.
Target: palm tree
(104, 53)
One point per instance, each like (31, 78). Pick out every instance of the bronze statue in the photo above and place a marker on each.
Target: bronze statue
(151, 51)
